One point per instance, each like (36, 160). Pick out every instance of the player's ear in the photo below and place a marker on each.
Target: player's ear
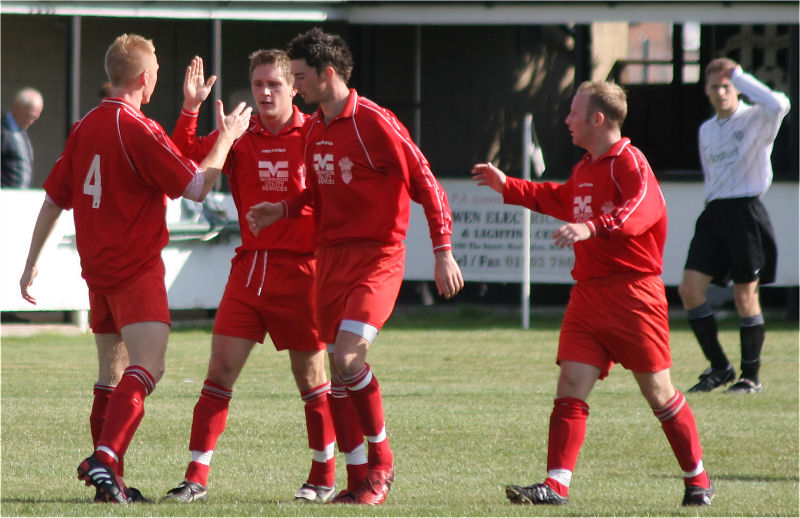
(328, 72)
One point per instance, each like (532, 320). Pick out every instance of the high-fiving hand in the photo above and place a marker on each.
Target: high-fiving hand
(195, 87)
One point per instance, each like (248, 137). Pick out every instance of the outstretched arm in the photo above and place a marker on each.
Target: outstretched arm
(487, 174)
(231, 127)
(48, 216)
(195, 87)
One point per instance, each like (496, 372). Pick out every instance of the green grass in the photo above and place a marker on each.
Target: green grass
(468, 397)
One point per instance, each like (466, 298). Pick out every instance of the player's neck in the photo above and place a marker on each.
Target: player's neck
(275, 124)
(602, 143)
(131, 97)
(332, 107)
(727, 114)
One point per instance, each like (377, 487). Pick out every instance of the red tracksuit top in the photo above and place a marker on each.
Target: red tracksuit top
(363, 171)
(261, 167)
(618, 196)
(114, 173)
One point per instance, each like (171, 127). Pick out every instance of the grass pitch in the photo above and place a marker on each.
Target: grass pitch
(468, 397)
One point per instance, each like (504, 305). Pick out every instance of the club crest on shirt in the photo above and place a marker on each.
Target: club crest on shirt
(738, 135)
(346, 166)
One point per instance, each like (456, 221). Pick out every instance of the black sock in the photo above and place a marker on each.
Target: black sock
(705, 329)
(752, 338)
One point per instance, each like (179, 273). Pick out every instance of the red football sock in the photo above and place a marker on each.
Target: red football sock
(208, 422)
(349, 435)
(677, 421)
(365, 392)
(567, 432)
(102, 395)
(123, 415)
(321, 436)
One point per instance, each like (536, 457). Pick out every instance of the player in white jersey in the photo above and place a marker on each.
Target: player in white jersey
(733, 238)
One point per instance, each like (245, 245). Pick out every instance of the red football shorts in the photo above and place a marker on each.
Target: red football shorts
(357, 281)
(622, 319)
(142, 300)
(270, 292)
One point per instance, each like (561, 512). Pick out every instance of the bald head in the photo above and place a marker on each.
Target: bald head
(27, 107)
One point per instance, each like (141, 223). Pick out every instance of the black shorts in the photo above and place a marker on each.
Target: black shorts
(734, 241)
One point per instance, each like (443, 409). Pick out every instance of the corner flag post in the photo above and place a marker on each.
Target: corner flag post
(531, 156)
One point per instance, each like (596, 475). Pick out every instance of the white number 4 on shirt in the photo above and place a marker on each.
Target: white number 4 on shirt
(91, 185)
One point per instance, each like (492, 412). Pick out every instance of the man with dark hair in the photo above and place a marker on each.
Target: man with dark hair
(733, 238)
(617, 311)
(363, 171)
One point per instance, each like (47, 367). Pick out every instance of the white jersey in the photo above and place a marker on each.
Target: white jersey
(735, 152)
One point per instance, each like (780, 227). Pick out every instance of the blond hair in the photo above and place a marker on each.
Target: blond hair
(277, 58)
(125, 58)
(607, 98)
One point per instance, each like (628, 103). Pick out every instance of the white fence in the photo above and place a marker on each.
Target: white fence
(486, 241)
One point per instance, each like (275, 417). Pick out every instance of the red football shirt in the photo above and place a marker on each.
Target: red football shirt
(114, 173)
(261, 167)
(363, 171)
(618, 196)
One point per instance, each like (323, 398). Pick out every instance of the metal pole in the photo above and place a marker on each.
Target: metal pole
(75, 72)
(527, 124)
(418, 85)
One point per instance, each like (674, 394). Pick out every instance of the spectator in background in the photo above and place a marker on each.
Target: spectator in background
(17, 153)
(733, 239)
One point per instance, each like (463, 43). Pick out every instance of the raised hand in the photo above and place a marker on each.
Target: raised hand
(195, 87)
(488, 174)
(234, 124)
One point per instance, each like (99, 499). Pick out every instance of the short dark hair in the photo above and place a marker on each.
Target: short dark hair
(321, 50)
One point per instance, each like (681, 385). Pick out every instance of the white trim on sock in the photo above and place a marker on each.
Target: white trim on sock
(378, 438)
(202, 457)
(562, 476)
(323, 455)
(357, 456)
(109, 452)
(699, 469)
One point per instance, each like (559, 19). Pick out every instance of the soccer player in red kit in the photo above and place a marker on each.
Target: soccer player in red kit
(270, 287)
(617, 312)
(115, 172)
(363, 171)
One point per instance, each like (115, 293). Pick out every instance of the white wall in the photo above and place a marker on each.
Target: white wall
(487, 245)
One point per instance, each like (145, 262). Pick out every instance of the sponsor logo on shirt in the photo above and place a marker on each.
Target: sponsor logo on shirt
(724, 156)
(346, 166)
(274, 150)
(274, 176)
(582, 209)
(323, 166)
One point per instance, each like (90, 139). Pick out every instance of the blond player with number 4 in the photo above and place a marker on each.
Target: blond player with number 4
(115, 173)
